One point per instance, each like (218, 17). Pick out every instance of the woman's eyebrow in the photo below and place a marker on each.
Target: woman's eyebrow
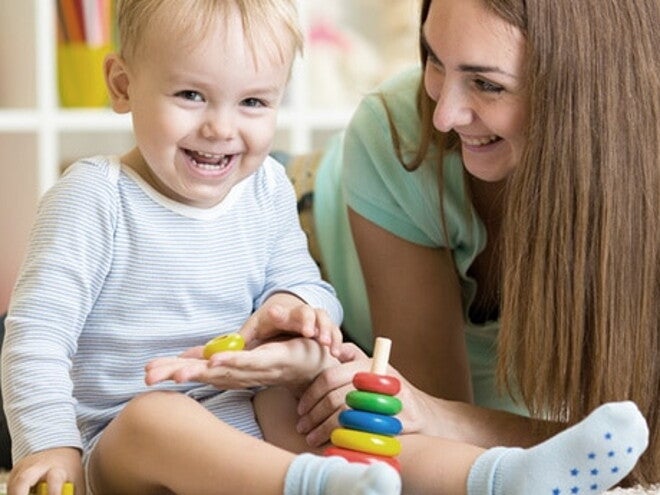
(484, 69)
(471, 68)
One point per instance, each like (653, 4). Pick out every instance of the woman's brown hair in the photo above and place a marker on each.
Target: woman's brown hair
(580, 302)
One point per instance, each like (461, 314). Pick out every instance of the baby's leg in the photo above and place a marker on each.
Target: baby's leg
(275, 409)
(165, 442)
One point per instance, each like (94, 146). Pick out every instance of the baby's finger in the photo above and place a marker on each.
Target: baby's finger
(328, 333)
(55, 479)
(192, 371)
(160, 362)
(300, 319)
(167, 370)
(194, 352)
(20, 481)
(234, 359)
(324, 328)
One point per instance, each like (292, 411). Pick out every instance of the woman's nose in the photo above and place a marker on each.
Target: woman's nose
(452, 109)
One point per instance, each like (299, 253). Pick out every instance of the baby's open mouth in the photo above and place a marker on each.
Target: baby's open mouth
(208, 161)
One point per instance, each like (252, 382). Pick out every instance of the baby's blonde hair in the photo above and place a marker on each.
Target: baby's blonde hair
(265, 22)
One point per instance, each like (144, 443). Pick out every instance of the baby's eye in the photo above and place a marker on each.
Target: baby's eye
(487, 86)
(191, 95)
(253, 103)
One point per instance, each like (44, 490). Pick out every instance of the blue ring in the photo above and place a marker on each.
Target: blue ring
(370, 422)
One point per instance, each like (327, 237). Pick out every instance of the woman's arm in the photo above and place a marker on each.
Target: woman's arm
(414, 298)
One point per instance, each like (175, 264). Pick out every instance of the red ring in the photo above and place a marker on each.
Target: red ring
(364, 458)
(380, 384)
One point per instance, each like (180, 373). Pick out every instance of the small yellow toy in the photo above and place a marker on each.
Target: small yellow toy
(222, 343)
(42, 488)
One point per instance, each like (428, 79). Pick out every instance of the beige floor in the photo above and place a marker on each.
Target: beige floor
(653, 490)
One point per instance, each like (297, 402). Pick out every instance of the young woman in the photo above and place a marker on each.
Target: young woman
(504, 204)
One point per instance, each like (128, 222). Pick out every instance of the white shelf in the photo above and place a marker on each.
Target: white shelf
(49, 122)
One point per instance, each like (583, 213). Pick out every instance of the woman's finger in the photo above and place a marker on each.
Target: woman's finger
(327, 381)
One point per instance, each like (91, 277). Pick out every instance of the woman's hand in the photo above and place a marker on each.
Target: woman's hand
(54, 466)
(325, 398)
(284, 313)
(292, 363)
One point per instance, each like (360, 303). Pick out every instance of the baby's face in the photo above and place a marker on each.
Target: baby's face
(204, 113)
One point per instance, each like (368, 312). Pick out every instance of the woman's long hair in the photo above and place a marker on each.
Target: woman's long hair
(580, 303)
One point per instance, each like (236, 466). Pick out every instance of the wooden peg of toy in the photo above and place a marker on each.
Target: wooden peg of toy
(381, 355)
(223, 343)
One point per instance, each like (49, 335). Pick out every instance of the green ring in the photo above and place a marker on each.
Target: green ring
(376, 403)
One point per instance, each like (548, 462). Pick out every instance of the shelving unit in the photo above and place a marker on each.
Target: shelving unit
(37, 136)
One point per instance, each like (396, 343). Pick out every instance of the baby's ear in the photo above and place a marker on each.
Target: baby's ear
(117, 80)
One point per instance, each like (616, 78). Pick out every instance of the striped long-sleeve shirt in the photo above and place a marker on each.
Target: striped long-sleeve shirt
(116, 275)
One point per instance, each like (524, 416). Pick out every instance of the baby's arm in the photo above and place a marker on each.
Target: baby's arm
(292, 363)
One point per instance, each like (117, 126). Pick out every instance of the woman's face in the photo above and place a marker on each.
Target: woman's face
(473, 73)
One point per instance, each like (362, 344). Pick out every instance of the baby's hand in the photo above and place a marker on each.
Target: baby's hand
(292, 363)
(284, 313)
(54, 466)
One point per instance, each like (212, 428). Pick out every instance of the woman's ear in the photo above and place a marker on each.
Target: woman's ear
(117, 81)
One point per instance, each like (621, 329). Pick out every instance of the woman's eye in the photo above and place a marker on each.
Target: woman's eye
(191, 95)
(253, 103)
(433, 61)
(488, 86)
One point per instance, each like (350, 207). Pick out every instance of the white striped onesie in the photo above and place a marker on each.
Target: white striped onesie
(117, 274)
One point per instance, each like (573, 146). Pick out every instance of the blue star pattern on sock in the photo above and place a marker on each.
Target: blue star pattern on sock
(585, 483)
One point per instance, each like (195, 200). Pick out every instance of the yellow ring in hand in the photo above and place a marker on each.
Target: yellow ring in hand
(222, 343)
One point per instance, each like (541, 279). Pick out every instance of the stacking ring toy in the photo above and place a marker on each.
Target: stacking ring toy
(370, 443)
(366, 421)
(380, 384)
(363, 457)
(368, 428)
(376, 403)
(222, 343)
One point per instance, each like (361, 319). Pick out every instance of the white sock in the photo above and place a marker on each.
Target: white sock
(586, 459)
(309, 474)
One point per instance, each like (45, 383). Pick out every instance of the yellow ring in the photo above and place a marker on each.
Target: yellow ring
(222, 343)
(361, 441)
